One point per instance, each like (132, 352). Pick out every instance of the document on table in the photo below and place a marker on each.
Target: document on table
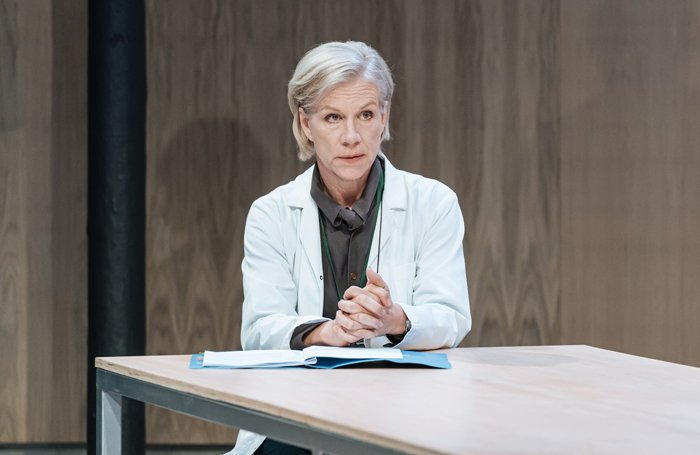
(260, 359)
(285, 358)
(354, 353)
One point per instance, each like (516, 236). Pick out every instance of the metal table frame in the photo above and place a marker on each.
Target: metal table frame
(111, 387)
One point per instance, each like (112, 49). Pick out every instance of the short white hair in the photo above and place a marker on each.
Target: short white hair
(326, 67)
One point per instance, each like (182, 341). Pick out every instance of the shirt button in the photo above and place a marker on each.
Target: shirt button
(353, 276)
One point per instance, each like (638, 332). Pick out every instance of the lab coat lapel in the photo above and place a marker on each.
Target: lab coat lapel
(392, 210)
(309, 224)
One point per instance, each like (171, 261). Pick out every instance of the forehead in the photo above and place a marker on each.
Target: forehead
(358, 93)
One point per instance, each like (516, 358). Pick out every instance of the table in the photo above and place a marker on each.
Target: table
(506, 400)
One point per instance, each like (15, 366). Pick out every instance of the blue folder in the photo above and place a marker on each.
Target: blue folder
(410, 358)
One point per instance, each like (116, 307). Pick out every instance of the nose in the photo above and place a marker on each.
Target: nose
(350, 137)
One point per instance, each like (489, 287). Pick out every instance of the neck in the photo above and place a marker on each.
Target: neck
(344, 192)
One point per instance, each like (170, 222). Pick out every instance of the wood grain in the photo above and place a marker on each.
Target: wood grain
(631, 177)
(34, 70)
(13, 291)
(8, 69)
(562, 399)
(69, 221)
(42, 221)
(486, 124)
(13, 267)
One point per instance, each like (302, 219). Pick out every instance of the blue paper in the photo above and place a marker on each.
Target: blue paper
(415, 358)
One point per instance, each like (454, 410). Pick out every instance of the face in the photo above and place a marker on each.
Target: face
(346, 130)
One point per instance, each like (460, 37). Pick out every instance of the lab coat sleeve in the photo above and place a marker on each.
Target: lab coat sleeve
(440, 314)
(269, 307)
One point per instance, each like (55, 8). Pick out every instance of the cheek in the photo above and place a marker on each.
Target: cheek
(325, 133)
(373, 130)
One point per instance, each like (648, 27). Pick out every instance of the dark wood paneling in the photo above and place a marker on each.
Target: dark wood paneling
(631, 177)
(477, 108)
(13, 288)
(8, 66)
(68, 416)
(42, 221)
(34, 68)
(13, 267)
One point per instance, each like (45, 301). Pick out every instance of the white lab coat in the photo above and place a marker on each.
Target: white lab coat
(421, 260)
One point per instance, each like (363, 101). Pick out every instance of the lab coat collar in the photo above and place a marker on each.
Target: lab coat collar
(392, 210)
(394, 193)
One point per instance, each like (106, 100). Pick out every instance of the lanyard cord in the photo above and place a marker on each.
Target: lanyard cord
(363, 280)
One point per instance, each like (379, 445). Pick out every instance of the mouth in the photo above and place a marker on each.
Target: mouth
(351, 158)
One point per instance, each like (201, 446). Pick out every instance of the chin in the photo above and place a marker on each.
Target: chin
(354, 171)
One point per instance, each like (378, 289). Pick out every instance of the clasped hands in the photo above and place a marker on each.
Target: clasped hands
(363, 313)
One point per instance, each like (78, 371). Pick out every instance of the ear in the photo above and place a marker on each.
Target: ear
(385, 114)
(304, 120)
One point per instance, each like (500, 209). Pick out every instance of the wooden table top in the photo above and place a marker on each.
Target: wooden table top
(506, 400)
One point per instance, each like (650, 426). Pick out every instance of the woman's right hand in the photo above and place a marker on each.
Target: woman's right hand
(331, 334)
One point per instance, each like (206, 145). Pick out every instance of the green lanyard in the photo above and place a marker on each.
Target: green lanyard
(363, 280)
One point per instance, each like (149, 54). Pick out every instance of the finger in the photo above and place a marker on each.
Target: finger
(368, 302)
(381, 293)
(344, 336)
(365, 298)
(374, 278)
(353, 323)
(351, 337)
(354, 291)
(352, 307)
(365, 320)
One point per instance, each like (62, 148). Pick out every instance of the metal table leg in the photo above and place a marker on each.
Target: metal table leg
(109, 423)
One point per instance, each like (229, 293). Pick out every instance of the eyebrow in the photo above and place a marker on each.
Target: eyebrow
(331, 108)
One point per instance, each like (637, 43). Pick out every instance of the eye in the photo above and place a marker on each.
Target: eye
(366, 115)
(332, 118)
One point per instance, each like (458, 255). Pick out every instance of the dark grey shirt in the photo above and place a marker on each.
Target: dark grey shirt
(349, 232)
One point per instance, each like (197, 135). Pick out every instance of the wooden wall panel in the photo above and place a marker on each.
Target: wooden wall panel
(34, 52)
(42, 221)
(13, 273)
(497, 129)
(476, 106)
(8, 70)
(631, 177)
(68, 418)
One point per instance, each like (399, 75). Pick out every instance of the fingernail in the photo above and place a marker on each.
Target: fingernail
(381, 324)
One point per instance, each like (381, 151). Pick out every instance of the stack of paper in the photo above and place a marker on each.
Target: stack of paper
(280, 358)
(318, 357)
(256, 359)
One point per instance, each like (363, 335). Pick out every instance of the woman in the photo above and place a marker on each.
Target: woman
(353, 252)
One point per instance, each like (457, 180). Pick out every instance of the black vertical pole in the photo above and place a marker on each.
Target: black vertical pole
(116, 198)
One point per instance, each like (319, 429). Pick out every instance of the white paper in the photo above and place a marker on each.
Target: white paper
(353, 353)
(261, 358)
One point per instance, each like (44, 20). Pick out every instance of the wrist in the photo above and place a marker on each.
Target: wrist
(316, 336)
(399, 328)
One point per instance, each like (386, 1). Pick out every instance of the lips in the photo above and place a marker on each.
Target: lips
(351, 158)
